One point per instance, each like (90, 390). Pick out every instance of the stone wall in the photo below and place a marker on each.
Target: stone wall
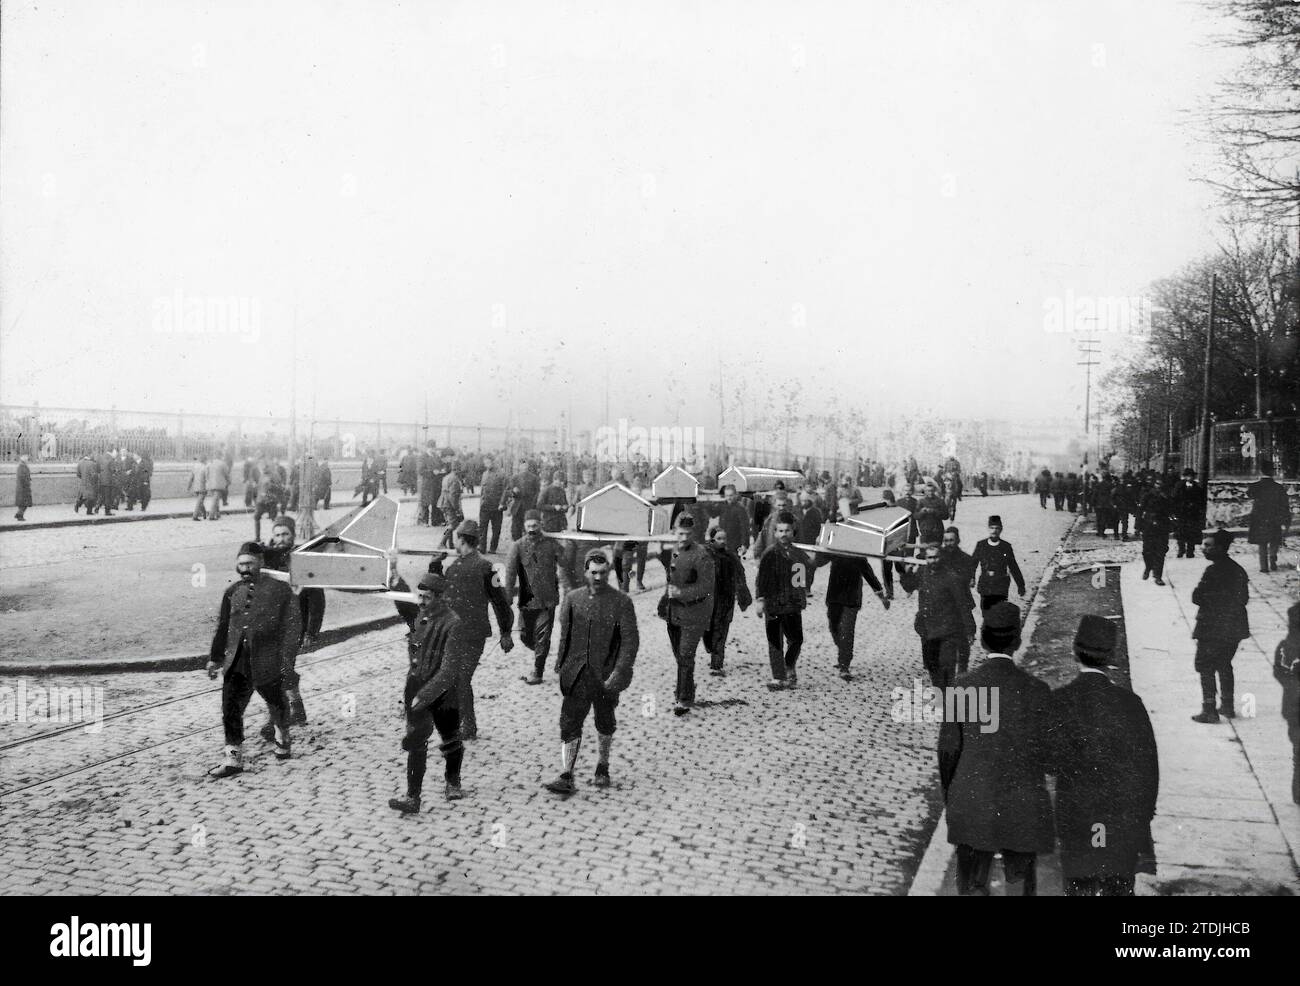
(1228, 506)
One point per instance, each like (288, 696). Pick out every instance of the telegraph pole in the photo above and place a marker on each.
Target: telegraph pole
(1087, 351)
(1206, 444)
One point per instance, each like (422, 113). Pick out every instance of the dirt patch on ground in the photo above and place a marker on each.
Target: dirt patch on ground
(1050, 654)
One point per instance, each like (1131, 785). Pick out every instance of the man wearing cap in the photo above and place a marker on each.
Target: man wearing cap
(473, 587)
(435, 648)
(532, 564)
(729, 587)
(781, 594)
(1102, 749)
(1269, 515)
(598, 645)
(255, 646)
(994, 562)
(992, 761)
(311, 613)
(687, 606)
(943, 613)
(1221, 624)
(1189, 513)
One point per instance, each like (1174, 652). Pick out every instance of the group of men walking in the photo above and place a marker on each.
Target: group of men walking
(108, 478)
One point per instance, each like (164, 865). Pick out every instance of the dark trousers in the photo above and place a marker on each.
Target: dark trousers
(887, 577)
(263, 508)
(517, 522)
(250, 493)
(685, 642)
(988, 602)
(1122, 516)
(1058, 501)
(790, 627)
(587, 691)
(443, 716)
(1214, 657)
(1105, 520)
(200, 510)
(311, 608)
(715, 638)
(465, 688)
(489, 519)
(1100, 886)
(973, 870)
(843, 622)
(1268, 554)
(1042, 500)
(535, 634)
(237, 689)
(1153, 555)
(625, 558)
(107, 498)
(940, 657)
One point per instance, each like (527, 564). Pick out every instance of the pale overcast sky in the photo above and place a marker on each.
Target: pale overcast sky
(490, 203)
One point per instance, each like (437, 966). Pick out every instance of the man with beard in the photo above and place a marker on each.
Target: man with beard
(598, 645)
(964, 565)
(943, 615)
(930, 514)
(781, 595)
(473, 588)
(1269, 516)
(435, 651)
(255, 646)
(1189, 513)
(994, 561)
(687, 606)
(311, 614)
(532, 564)
(729, 587)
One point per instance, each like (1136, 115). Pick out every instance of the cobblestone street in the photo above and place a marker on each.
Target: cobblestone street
(816, 790)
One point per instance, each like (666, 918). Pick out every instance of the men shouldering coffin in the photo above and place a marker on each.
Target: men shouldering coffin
(255, 646)
(436, 648)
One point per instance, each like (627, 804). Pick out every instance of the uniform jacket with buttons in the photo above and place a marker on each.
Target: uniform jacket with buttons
(782, 581)
(597, 631)
(996, 566)
(471, 589)
(532, 566)
(691, 570)
(263, 616)
(435, 647)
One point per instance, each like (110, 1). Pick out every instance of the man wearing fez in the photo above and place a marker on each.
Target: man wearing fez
(532, 564)
(781, 594)
(311, 613)
(473, 588)
(1189, 512)
(1102, 749)
(992, 766)
(687, 606)
(943, 613)
(1269, 515)
(729, 587)
(255, 646)
(598, 645)
(995, 565)
(1221, 624)
(435, 648)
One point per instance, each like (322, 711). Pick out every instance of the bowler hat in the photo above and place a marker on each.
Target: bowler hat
(1095, 636)
(1002, 616)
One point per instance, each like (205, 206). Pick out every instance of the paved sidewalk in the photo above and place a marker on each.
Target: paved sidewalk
(1225, 822)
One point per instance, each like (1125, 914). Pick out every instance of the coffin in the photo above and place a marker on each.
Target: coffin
(753, 479)
(878, 532)
(352, 553)
(675, 483)
(614, 509)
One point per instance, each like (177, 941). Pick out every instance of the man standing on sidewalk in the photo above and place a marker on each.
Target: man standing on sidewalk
(729, 587)
(687, 605)
(433, 647)
(781, 593)
(1269, 515)
(198, 486)
(1189, 511)
(994, 562)
(23, 488)
(218, 483)
(1221, 624)
(472, 588)
(1156, 525)
(992, 767)
(1102, 749)
(532, 564)
(255, 646)
(598, 645)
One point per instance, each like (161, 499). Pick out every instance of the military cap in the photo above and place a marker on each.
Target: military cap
(468, 527)
(995, 520)
(284, 520)
(597, 553)
(434, 582)
(533, 514)
(251, 548)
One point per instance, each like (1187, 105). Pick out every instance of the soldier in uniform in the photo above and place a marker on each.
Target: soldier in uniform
(781, 594)
(994, 562)
(311, 612)
(472, 587)
(598, 645)
(436, 650)
(687, 606)
(1102, 749)
(532, 565)
(255, 646)
(993, 779)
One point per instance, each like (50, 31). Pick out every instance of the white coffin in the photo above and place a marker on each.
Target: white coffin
(877, 533)
(614, 509)
(675, 483)
(753, 479)
(352, 553)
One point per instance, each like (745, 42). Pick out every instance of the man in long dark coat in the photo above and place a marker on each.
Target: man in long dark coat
(1269, 515)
